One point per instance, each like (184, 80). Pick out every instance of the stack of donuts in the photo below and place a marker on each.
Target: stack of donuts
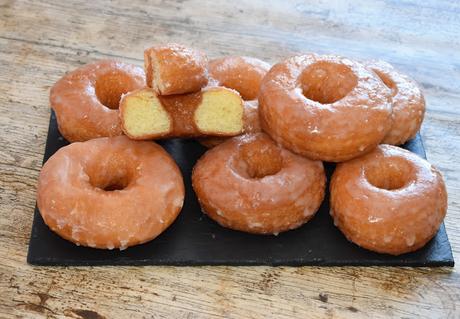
(268, 130)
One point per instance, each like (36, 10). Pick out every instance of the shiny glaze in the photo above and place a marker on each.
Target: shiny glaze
(408, 103)
(180, 69)
(80, 113)
(335, 130)
(284, 199)
(73, 203)
(389, 201)
(181, 109)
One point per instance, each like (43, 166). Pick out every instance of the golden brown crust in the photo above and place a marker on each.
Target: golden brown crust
(175, 69)
(286, 197)
(324, 107)
(86, 100)
(389, 201)
(110, 192)
(181, 111)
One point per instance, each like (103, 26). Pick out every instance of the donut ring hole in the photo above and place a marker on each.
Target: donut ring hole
(112, 175)
(259, 157)
(389, 83)
(390, 174)
(114, 185)
(327, 82)
(111, 86)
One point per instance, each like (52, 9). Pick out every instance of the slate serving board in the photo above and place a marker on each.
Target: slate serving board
(194, 239)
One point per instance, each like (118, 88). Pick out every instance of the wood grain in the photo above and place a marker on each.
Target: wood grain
(40, 41)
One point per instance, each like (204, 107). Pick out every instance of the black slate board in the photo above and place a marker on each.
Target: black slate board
(194, 239)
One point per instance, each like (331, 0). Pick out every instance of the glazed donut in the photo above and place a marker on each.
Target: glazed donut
(86, 99)
(243, 74)
(407, 101)
(110, 192)
(175, 69)
(215, 111)
(248, 183)
(389, 201)
(324, 107)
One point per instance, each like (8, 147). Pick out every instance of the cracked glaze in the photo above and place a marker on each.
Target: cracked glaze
(175, 69)
(353, 118)
(408, 103)
(284, 200)
(389, 201)
(73, 203)
(78, 97)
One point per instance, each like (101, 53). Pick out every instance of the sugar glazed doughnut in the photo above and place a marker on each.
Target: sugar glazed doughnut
(408, 103)
(86, 99)
(243, 74)
(324, 107)
(175, 69)
(110, 192)
(215, 111)
(389, 201)
(248, 183)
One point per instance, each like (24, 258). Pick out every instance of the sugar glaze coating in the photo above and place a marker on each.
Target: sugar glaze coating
(324, 107)
(389, 200)
(110, 192)
(408, 103)
(248, 183)
(175, 69)
(86, 99)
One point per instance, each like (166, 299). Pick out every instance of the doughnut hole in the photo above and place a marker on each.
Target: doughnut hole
(326, 82)
(261, 157)
(389, 83)
(390, 174)
(111, 86)
(110, 174)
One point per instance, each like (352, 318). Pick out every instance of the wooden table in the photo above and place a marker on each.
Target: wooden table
(41, 41)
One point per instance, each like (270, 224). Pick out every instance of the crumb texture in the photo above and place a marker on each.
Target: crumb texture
(143, 115)
(221, 111)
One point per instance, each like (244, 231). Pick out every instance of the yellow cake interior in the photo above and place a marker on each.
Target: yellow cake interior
(144, 116)
(220, 112)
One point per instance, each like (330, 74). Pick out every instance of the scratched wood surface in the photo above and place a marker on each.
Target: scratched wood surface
(39, 41)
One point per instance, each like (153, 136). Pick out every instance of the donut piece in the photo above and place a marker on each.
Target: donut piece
(86, 100)
(324, 107)
(408, 103)
(110, 192)
(248, 183)
(389, 201)
(214, 111)
(175, 69)
(243, 74)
